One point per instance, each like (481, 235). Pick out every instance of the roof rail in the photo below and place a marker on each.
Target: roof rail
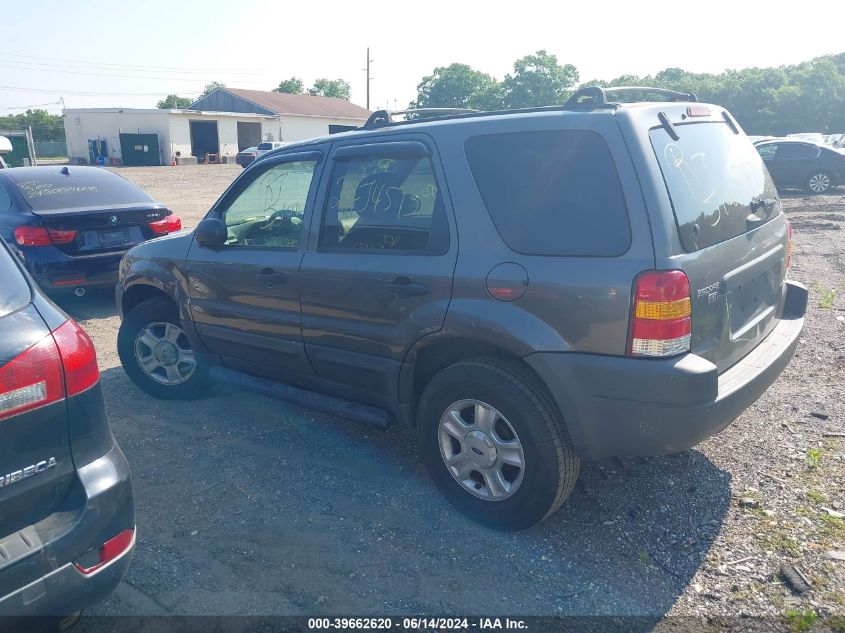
(593, 96)
(385, 117)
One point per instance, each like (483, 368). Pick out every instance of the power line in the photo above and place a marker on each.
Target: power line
(238, 71)
(20, 66)
(32, 105)
(97, 94)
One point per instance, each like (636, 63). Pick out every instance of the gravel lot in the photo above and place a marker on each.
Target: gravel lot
(248, 505)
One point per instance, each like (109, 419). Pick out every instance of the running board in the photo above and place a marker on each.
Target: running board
(366, 414)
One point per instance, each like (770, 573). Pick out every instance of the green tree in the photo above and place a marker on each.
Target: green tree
(211, 87)
(330, 88)
(171, 102)
(458, 86)
(293, 86)
(45, 126)
(538, 80)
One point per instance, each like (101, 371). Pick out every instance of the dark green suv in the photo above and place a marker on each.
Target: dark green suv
(527, 288)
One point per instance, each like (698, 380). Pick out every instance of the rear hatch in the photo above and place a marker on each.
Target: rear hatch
(36, 470)
(89, 210)
(732, 231)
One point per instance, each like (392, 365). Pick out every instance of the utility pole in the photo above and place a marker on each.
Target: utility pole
(368, 77)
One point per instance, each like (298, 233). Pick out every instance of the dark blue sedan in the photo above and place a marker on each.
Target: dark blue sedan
(73, 224)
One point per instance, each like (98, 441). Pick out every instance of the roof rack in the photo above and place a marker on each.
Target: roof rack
(385, 117)
(588, 98)
(592, 96)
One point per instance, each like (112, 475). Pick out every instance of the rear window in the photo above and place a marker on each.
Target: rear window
(14, 291)
(713, 176)
(552, 192)
(54, 191)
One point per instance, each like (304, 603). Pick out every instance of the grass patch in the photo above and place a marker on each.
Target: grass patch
(799, 621)
(779, 541)
(644, 557)
(836, 623)
(816, 496)
(814, 458)
(827, 297)
(832, 527)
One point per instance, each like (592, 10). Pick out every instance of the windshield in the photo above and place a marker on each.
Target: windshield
(716, 180)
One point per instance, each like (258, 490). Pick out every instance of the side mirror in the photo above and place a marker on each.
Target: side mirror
(211, 232)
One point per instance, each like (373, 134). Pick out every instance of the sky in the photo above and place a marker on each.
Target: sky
(121, 54)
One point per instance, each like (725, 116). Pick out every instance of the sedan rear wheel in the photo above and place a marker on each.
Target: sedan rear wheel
(819, 182)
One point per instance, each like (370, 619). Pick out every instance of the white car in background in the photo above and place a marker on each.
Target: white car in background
(247, 156)
(5, 148)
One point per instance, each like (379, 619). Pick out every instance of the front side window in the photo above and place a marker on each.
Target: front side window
(383, 203)
(767, 151)
(269, 212)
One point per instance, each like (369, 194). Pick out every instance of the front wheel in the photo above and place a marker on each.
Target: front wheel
(818, 182)
(494, 443)
(156, 353)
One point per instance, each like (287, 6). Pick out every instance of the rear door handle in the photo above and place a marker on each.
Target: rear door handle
(404, 287)
(270, 276)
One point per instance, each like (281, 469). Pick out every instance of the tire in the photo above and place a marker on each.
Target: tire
(151, 325)
(819, 182)
(525, 414)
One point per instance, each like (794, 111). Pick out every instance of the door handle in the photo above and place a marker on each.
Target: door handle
(270, 276)
(404, 287)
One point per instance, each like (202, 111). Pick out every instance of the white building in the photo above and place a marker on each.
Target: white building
(222, 123)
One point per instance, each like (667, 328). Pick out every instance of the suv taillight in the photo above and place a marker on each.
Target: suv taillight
(78, 357)
(660, 322)
(40, 236)
(34, 378)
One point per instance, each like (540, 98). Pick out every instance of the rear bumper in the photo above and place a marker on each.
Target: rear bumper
(54, 271)
(63, 589)
(616, 406)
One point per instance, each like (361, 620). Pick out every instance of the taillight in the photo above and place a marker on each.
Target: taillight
(78, 357)
(661, 323)
(106, 553)
(789, 245)
(168, 225)
(31, 379)
(40, 236)
(62, 363)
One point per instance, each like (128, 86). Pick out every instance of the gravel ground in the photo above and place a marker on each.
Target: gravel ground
(248, 505)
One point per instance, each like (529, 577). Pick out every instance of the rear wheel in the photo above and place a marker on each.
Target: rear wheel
(494, 443)
(819, 182)
(156, 353)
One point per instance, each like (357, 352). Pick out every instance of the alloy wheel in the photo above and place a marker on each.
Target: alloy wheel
(164, 353)
(481, 450)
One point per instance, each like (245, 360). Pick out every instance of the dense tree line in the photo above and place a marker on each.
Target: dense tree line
(45, 126)
(805, 97)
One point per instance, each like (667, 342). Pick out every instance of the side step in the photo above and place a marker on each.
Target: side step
(366, 414)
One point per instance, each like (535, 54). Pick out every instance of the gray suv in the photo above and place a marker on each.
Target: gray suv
(528, 289)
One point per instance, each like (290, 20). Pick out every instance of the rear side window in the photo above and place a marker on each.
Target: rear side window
(552, 192)
(796, 150)
(53, 191)
(715, 179)
(14, 291)
(263, 146)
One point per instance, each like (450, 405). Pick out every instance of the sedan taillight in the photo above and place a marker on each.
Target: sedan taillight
(40, 236)
(168, 225)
